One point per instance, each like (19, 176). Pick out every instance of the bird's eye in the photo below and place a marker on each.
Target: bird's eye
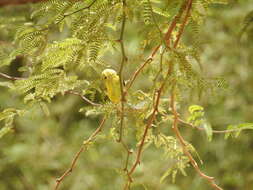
(105, 77)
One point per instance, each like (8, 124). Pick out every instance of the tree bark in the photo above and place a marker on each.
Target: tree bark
(17, 2)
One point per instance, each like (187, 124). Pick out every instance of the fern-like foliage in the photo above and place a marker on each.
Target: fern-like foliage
(30, 40)
(67, 44)
(5, 57)
(147, 11)
(7, 118)
(53, 9)
(173, 151)
(62, 53)
(47, 85)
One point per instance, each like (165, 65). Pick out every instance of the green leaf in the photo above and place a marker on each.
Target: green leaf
(230, 127)
(197, 115)
(166, 174)
(45, 108)
(237, 129)
(4, 131)
(193, 150)
(209, 131)
(7, 116)
(194, 108)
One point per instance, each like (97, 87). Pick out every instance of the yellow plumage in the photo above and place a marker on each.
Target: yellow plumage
(112, 84)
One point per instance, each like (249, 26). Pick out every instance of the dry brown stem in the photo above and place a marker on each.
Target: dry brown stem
(184, 146)
(2, 75)
(77, 155)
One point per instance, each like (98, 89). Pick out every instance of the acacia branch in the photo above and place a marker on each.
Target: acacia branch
(77, 155)
(173, 24)
(167, 37)
(154, 20)
(137, 72)
(123, 59)
(122, 100)
(184, 146)
(187, 15)
(2, 75)
(83, 97)
(159, 92)
(150, 121)
(176, 118)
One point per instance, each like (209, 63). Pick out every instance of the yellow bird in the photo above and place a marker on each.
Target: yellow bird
(112, 84)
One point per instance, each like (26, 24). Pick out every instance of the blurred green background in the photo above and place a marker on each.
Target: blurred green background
(42, 147)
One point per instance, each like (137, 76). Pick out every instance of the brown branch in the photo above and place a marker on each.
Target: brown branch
(122, 100)
(137, 72)
(181, 30)
(184, 146)
(83, 97)
(2, 75)
(150, 121)
(123, 59)
(159, 92)
(125, 169)
(174, 23)
(77, 155)
(17, 2)
(167, 37)
(176, 118)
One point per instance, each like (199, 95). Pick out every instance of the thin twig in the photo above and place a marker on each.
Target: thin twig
(154, 20)
(181, 30)
(129, 152)
(2, 75)
(159, 92)
(174, 23)
(184, 146)
(176, 118)
(123, 59)
(213, 131)
(122, 101)
(83, 97)
(160, 68)
(77, 155)
(137, 72)
(150, 121)
(167, 37)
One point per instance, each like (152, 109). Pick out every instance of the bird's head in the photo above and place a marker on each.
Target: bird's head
(109, 74)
